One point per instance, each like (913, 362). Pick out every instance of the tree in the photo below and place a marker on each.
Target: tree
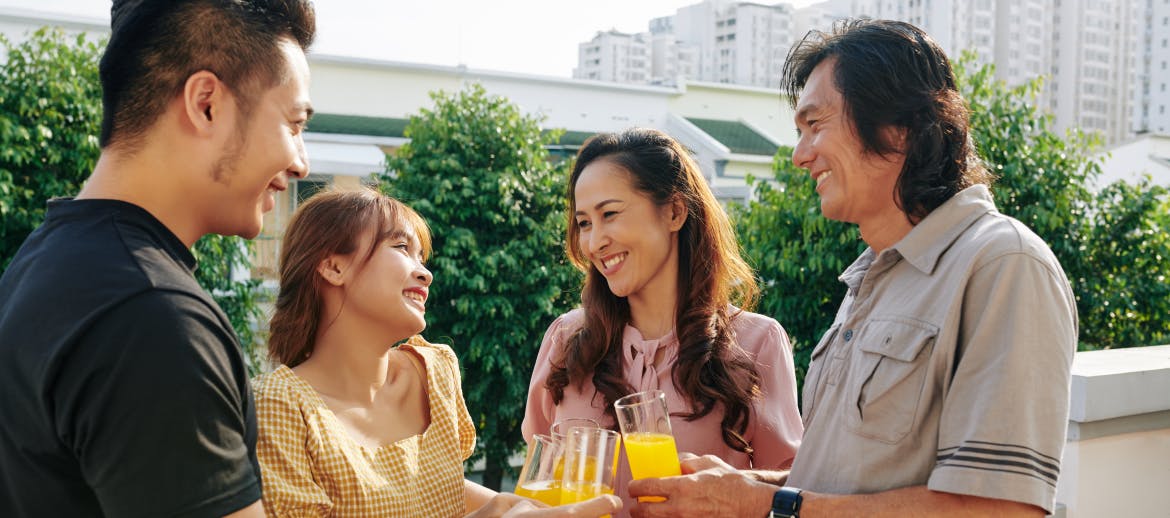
(1111, 243)
(797, 254)
(50, 115)
(49, 119)
(477, 171)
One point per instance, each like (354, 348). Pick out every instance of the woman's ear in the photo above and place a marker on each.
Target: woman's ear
(678, 214)
(332, 269)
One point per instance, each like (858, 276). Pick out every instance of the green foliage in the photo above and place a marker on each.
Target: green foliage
(219, 258)
(1112, 243)
(797, 254)
(50, 116)
(50, 112)
(477, 171)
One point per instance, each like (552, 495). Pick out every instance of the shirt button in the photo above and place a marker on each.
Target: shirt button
(848, 334)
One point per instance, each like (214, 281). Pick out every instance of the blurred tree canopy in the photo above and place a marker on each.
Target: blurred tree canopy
(477, 170)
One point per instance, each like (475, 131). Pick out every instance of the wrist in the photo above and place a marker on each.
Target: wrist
(786, 503)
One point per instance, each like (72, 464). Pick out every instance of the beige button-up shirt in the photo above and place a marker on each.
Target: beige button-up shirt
(947, 364)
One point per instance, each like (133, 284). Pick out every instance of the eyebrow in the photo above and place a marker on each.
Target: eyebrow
(802, 114)
(600, 204)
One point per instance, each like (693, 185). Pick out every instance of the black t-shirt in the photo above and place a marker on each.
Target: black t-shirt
(123, 390)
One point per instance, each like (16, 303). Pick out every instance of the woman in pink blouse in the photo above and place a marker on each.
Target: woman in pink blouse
(662, 270)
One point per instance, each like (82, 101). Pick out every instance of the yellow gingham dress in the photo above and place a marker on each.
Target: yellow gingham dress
(309, 465)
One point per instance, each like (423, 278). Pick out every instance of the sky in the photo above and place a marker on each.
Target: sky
(526, 36)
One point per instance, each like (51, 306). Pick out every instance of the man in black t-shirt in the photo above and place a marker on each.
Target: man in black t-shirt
(123, 391)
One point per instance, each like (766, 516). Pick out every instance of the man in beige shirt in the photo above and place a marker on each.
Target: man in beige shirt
(941, 388)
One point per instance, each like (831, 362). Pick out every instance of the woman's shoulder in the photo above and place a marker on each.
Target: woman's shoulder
(279, 389)
(430, 349)
(753, 328)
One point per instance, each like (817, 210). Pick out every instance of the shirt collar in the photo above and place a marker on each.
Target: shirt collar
(932, 236)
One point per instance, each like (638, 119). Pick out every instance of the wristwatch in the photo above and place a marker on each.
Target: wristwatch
(786, 503)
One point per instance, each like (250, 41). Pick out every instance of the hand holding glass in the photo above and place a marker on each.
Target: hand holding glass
(649, 443)
(540, 477)
(590, 464)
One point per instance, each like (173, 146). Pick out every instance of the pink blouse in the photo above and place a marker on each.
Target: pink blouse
(774, 429)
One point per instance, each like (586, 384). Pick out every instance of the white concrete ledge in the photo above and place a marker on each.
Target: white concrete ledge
(1119, 383)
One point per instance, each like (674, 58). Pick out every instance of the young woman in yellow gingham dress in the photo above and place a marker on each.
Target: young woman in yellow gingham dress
(349, 424)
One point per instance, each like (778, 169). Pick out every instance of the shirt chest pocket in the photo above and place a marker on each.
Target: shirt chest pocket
(886, 377)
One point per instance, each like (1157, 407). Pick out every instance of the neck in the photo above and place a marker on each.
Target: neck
(354, 362)
(885, 231)
(149, 179)
(652, 309)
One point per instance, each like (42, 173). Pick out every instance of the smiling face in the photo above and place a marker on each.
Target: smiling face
(391, 288)
(266, 150)
(629, 239)
(854, 186)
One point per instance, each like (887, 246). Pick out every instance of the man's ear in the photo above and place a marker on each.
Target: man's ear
(332, 269)
(678, 214)
(204, 99)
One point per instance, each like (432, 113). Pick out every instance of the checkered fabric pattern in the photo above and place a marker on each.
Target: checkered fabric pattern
(310, 466)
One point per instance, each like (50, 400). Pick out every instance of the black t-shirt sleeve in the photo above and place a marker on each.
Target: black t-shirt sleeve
(154, 403)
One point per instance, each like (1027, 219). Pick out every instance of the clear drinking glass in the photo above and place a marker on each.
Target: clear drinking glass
(590, 464)
(560, 429)
(646, 436)
(539, 478)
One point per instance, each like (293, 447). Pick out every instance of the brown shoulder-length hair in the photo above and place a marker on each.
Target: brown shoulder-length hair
(712, 370)
(331, 222)
(892, 74)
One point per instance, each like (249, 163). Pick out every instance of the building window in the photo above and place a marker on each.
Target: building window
(306, 188)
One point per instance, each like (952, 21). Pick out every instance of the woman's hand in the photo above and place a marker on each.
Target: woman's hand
(508, 505)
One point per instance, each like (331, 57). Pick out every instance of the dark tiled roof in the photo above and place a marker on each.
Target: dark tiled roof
(737, 136)
(574, 138)
(357, 125)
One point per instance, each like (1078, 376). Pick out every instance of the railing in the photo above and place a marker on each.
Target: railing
(1117, 459)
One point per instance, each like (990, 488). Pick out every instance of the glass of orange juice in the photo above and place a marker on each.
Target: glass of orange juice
(559, 429)
(649, 443)
(590, 464)
(539, 478)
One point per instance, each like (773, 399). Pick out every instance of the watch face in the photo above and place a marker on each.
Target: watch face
(786, 503)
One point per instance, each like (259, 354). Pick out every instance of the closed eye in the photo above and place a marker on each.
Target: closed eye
(609, 214)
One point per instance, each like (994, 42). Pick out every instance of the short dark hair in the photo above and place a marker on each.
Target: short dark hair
(155, 45)
(892, 74)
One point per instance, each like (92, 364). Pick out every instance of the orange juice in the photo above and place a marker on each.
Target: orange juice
(547, 491)
(652, 455)
(581, 491)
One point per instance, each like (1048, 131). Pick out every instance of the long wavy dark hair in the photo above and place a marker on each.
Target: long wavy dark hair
(331, 222)
(892, 74)
(712, 370)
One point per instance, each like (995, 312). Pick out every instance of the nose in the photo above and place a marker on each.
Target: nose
(598, 240)
(802, 154)
(423, 274)
(300, 166)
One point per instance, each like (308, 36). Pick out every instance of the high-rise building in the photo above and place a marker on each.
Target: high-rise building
(615, 56)
(1151, 89)
(720, 41)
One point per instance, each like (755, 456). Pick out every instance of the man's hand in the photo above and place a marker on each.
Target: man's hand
(708, 488)
(508, 505)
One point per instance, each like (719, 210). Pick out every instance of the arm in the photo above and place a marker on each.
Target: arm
(159, 365)
(718, 490)
(476, 495)
(539, 411)
(290, 489)
(776, 424)
(507, 505)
